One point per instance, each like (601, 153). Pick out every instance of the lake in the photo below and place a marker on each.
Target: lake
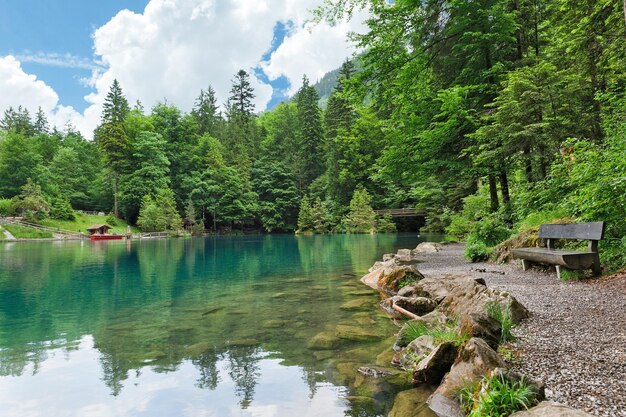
(255, 326)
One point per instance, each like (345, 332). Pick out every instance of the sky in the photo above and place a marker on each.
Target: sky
(63, 55)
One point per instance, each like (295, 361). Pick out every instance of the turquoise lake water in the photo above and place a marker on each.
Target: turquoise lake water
(192, 327)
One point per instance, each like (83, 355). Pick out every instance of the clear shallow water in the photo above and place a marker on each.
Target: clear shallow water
(197, 327)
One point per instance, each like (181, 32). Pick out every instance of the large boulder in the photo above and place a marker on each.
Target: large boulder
(414, 352)
(391, 279)
(416, 305)
(468, 298)
(392, 271)
(474, 360)
(431, 320)
(433, 367)
(427, 247)
(551, 409)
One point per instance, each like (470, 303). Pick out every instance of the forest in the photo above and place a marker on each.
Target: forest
(490, 116)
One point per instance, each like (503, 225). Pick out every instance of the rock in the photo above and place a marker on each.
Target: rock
(416, 305)
(432, 319)
(411, 291)
(414, 352)
(468, 298)
(324, 341)
(357, 304)
(411, 403)
(474, 360)
(386, 357)
(388, 257)
(403, 255)
(551, 409)
(433, 367)
(538, 387)
(374, 371)
(427, 247)
(356, 333)
(393, 278)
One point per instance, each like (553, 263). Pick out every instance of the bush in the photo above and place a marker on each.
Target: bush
(490, 231)
(385, 224)
(61, 209)
(496, 396)
(6, 208)
(476, 250)
(112, 220)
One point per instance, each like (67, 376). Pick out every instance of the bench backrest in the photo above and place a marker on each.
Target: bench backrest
(578, 231)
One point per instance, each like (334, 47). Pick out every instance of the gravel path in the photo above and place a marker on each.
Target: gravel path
(575, 340)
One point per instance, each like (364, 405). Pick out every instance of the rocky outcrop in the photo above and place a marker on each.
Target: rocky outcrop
(432, 320)
(394, 272)
(433, 367)
(427, 247)
(416, 305)
(551, 409)
(476, 359)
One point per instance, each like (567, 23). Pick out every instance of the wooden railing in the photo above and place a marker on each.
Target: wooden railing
(403, 212)
(65, 234)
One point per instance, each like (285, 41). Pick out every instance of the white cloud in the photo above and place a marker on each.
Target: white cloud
(58, 60)
(313, 50)
(177, 47)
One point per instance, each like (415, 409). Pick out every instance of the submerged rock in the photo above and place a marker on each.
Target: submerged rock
(390, 280)
(357, 304)
(324, 341)
(411, 403)
(356, 333)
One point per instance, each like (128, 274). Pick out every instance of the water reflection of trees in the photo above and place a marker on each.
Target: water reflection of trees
(169, 301)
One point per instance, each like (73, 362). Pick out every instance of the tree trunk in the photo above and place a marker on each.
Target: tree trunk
(504, 187)
(115, 206)
(528, 164)
(493, 193)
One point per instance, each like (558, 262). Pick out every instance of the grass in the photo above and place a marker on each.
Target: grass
(21, 232)
(2, 236)
(441, 334)
(83, 221)
(496, 396)
(570, 275)
(503, 316)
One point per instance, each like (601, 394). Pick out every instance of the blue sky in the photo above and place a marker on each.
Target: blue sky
(64, 55)
(31, 27)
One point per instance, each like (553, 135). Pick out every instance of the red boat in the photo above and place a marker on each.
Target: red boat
(100, 232)
(98, 236)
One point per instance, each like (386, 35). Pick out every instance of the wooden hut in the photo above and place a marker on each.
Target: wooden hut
(101, 231)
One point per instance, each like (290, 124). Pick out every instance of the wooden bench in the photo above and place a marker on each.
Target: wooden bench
(590, 259)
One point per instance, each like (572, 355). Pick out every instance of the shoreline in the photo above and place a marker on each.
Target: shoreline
(574, 340)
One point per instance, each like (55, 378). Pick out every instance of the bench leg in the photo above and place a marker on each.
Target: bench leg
(558, 272)
(525, 264)
(597, 269)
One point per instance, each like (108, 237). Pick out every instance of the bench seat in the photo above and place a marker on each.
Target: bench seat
(567, 259)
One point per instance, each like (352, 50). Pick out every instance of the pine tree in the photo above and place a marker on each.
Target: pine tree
(242, 94)
(306, 221)
(205, 111)
(115, 108)
(361, 218)
(41, 122)
(310, 134)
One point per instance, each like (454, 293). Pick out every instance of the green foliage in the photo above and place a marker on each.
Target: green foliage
(361, 218)
(112, 220)
(503, 316)
(6, 207)
(449, 332)
(490, 231)
(31, 203)
(476, 250)
(61, 209)
(21, 232)
(496, 396)
(159, 213)
(385, 224)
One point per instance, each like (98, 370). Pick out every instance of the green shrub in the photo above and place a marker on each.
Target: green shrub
(503, 316)
(6, 208)
(447, 333)
(112, 220)
(61, 209)
(538, 218)
(490, 230)
(476, 250)
(496, 396)
(385, 224)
